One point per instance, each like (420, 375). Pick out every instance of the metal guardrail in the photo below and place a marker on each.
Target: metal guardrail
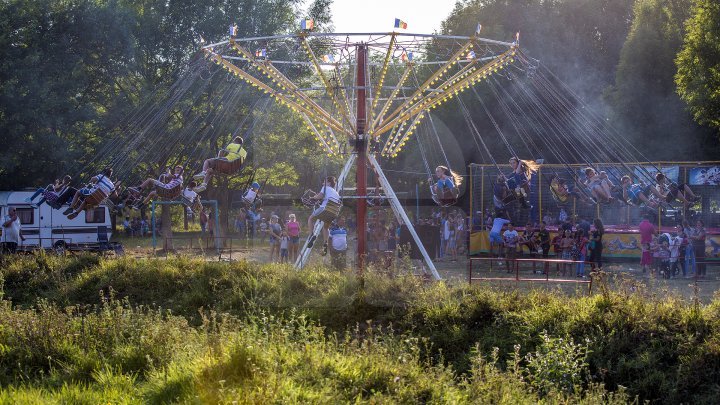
(515, 265)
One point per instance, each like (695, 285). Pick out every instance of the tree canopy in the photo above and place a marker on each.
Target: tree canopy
(74, 73)
(698, 63)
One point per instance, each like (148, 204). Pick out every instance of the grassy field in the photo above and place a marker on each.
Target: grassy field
(90, 330)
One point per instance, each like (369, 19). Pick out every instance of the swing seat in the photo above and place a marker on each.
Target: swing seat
(95, 199)
(110, 204)
(194, 204)
(330, 212)
(447, 198)
(257, 201)
(53, 204)
(224, 166)
(169, 194)
(376, 200)
(306, 200)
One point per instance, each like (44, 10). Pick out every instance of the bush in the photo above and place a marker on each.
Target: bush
(184, 319)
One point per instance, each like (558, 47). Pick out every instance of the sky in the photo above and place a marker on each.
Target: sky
(421, 16)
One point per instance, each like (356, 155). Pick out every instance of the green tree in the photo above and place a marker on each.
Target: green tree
(578, 40)
(698, 75)
(644, 104)
(58, 60)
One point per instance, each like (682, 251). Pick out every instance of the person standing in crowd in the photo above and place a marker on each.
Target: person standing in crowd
(697, 239)
(688, 247)
(274, 233)
(284, 243)
(581, 242)
(460, 234)
(510, 237)
(674, 247)
(647, 230)
(11, 232)
(293, 229)
(543, 237)
(495, 236)
(449, 237)
(203, 221)
(338, 246)
(596, 246)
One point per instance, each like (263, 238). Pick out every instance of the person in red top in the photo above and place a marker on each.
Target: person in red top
(647, 230)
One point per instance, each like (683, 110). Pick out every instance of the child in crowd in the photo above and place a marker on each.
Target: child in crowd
(664, 257)
(567, 243)
(655, 251)
(284, 241)
(581, 243)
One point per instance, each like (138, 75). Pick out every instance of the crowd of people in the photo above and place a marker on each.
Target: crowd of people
(669, 254)
(576, 243)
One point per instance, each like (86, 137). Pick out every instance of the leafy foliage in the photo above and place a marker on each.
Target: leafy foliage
(698, 75)
(478, 344)
(643, 99)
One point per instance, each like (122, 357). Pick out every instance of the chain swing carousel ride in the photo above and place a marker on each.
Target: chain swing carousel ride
(363, 96)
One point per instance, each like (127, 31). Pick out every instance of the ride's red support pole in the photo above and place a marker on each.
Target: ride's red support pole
(361, 150)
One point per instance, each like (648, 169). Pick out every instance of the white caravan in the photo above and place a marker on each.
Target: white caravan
(47, 228)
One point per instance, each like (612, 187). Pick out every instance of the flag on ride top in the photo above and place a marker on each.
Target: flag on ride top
(261, 53)
(328, 59)
(307, 24)
(470, 55)
(478, 29)
(400, 24)
(202, 40)
(233, 30)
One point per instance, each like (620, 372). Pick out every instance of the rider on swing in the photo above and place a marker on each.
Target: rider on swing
(327, 194)
(169, 187)
(445, 191)
(251, 195)
(519, 180)
(232, 153)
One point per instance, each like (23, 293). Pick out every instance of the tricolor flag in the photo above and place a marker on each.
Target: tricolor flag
(233, 30)
(470, 55)
(328, 59)
(202, 40)
(261, 53)
(307, 24)
(400, 24)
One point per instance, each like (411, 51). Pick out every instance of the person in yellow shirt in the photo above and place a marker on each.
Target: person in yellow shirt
(229, 160)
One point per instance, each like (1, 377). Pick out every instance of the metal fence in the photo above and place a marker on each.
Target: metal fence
(702, 177)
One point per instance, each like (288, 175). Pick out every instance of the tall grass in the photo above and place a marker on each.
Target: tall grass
(186, 330)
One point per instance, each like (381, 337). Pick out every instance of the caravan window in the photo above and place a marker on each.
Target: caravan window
(26, 215)
(95, 216)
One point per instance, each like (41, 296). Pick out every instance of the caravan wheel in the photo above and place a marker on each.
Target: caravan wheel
(60, 247)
